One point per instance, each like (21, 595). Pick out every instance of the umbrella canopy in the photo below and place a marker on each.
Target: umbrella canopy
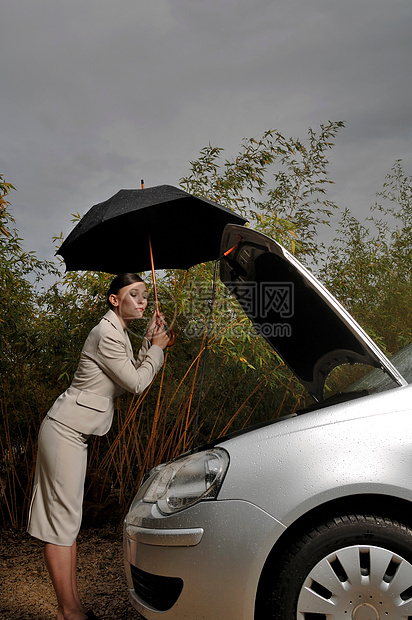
(113, 236)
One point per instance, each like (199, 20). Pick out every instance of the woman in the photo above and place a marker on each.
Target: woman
(106, 369)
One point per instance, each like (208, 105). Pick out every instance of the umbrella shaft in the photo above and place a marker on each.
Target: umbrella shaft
(154, 279)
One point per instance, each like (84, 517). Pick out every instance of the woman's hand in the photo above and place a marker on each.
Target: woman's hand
(155, 320)
(160, 336)
(156, 330)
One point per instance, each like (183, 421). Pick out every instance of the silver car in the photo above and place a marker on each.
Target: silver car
(308, 517)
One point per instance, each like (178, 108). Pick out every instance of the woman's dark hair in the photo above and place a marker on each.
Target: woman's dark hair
(123, 279)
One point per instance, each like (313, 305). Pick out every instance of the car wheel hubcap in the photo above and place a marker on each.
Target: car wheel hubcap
(358, 583)
(364, 611)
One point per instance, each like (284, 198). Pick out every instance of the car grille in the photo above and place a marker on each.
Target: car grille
(159, 592)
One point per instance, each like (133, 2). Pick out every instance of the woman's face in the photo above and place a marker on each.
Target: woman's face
(130, 302)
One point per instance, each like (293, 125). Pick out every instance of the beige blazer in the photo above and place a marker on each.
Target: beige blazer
(106, 369)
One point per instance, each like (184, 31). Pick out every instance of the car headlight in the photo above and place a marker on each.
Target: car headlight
(186, 481)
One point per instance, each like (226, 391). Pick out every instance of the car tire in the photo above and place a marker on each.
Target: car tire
(352, 567)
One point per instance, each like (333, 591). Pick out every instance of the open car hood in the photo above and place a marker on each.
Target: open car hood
(293, 311)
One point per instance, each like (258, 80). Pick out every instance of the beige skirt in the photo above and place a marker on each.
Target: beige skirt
(56, 506)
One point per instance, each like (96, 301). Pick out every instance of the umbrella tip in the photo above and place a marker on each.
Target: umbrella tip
(142, 183)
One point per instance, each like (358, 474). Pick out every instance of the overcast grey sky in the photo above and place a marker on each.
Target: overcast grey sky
(97, 94)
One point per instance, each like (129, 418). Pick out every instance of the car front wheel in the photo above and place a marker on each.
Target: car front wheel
(353, 567)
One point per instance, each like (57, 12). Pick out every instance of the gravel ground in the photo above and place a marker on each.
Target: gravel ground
(26, 592)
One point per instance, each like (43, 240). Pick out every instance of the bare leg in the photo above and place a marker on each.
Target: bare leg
(74, 577)
(60, 562)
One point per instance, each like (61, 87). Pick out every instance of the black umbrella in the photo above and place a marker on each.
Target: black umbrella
(123, 233)
(114, 235)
